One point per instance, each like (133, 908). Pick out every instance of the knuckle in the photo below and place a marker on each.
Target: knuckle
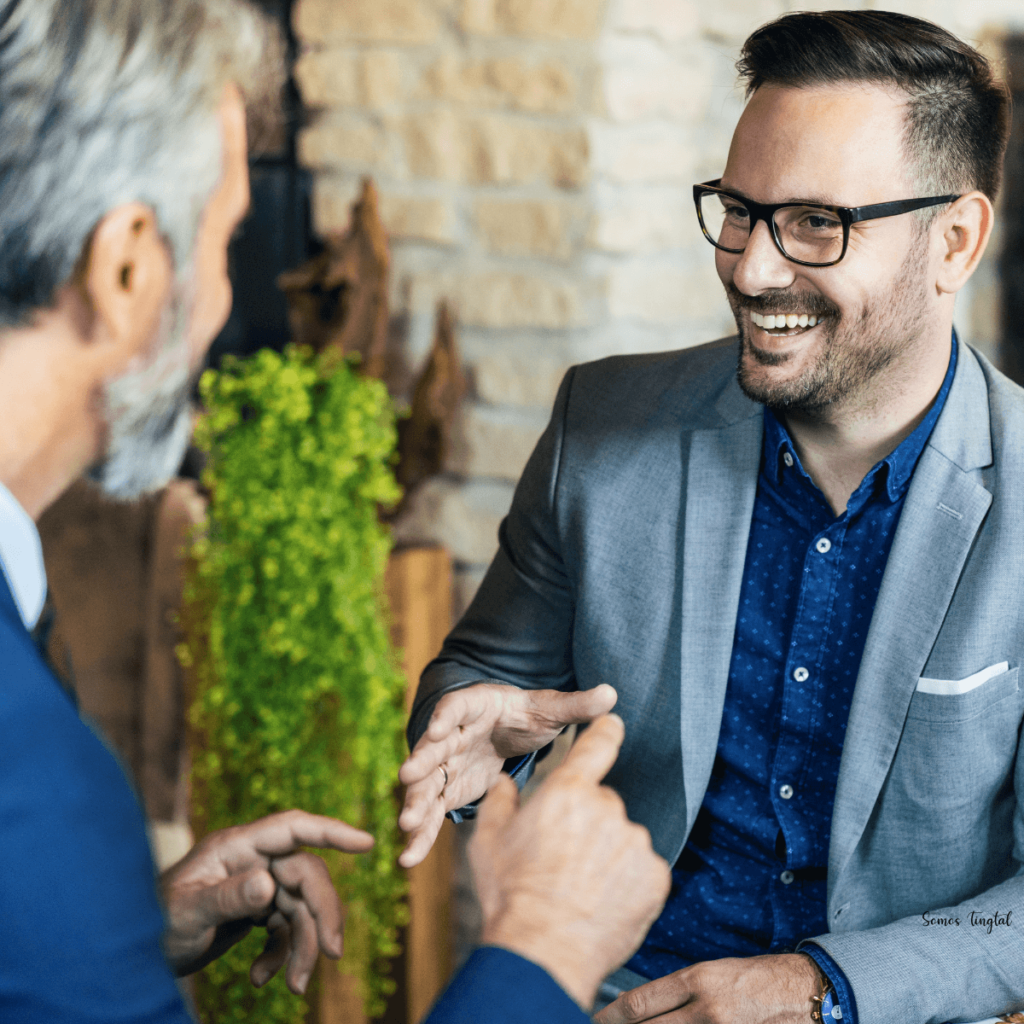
(634, 1005)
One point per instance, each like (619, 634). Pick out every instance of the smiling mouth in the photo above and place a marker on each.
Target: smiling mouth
(785, 325)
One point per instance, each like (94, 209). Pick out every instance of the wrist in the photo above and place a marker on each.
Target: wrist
(822, 987)
(543, 944)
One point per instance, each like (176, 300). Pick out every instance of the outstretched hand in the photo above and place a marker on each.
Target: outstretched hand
(471, 734)
(255, 874)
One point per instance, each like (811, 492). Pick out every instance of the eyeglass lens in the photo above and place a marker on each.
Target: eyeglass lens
(807, 233)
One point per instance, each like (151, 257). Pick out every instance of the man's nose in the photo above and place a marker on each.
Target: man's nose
(761, 266)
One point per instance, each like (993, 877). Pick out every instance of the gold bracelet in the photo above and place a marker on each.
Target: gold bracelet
(824, 989)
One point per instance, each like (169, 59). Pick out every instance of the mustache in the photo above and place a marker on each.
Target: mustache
(782, 301)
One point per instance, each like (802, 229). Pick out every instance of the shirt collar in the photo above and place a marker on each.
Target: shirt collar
(899, 464)
(21, 559)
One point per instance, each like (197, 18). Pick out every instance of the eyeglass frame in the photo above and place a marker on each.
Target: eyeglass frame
(847, 215)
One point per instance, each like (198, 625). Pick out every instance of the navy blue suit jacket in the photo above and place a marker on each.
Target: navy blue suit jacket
(80, 922)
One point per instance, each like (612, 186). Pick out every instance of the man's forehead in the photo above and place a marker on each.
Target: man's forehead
(841, 144)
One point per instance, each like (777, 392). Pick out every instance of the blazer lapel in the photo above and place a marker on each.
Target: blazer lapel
(944, 508)
(720, 490)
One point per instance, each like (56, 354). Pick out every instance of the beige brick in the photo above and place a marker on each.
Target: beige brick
(328, 78)
(656, 293)
(644, 80)
(734, 20)
(643, 153)
(521, 374)
(343, 142)
(543, 89)
(381, 78)
(524, 228)
(339, 79)
(494, 443)
(515, 300)
(332, 202)
(462, 517)
(504, 82)
(494, 299)
(436, 145)
(538, 19)
(321, 22)
(644, 219)
(412, 217)
(672, 20)
(507, 151)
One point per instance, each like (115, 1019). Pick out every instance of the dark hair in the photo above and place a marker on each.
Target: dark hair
(957, 112)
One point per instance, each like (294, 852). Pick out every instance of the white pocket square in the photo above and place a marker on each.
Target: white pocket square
(951, 687)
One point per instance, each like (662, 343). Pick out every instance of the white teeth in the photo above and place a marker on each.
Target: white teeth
(783, 321)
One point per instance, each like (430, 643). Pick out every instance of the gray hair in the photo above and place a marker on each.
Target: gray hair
(104, 102)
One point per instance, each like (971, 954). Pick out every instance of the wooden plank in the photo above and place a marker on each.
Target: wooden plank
(419, 590)
(419, 593)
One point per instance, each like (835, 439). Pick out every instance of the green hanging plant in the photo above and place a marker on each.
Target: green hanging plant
(298, 693)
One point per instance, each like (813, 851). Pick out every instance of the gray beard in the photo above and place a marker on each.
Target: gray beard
(148, 413)
(852, 355)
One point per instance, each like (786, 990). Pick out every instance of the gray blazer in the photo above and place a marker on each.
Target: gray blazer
(620, 562)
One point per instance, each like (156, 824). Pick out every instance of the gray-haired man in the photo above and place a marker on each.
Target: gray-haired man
(123, 173)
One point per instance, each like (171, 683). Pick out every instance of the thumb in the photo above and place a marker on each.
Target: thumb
(498, 807)
(249, 894)
(575, 707)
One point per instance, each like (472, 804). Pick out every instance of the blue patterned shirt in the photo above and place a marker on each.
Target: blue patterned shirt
(752, 876)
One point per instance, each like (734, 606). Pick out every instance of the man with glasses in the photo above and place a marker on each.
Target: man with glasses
(796, 555)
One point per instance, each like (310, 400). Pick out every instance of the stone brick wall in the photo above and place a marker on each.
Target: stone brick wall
(534, 159)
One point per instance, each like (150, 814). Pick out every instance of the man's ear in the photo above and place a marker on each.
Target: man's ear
(127, 277)
(966, 227)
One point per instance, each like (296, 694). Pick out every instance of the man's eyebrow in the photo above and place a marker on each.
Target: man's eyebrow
(819, 200)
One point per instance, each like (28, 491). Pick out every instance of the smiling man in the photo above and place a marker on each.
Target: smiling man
(796, 555)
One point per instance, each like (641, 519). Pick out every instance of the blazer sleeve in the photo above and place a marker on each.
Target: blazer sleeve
(518, 628)
(966, 964)
(81, 925)
(496, 986)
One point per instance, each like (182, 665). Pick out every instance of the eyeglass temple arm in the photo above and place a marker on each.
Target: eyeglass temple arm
(858, 213)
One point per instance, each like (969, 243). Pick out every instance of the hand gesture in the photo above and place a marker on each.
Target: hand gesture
(773, 989)
(471, 734)
(259, 874)
(568, 881)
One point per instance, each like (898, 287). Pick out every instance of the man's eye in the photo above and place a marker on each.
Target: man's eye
(820, 222)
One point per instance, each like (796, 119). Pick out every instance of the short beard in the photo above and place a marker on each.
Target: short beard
(850, 356)
(148, 411)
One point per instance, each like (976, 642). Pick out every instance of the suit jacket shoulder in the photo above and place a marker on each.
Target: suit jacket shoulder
(693, 388)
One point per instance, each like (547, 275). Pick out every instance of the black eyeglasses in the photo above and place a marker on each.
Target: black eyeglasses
(811, 234)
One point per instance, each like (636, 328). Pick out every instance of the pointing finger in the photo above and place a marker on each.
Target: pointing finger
(594, 753)
(287, 831)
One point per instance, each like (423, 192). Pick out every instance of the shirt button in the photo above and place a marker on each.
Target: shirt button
(787, 459)
(824, 546)
(800, 674)
(786, 791)
(786, 878)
